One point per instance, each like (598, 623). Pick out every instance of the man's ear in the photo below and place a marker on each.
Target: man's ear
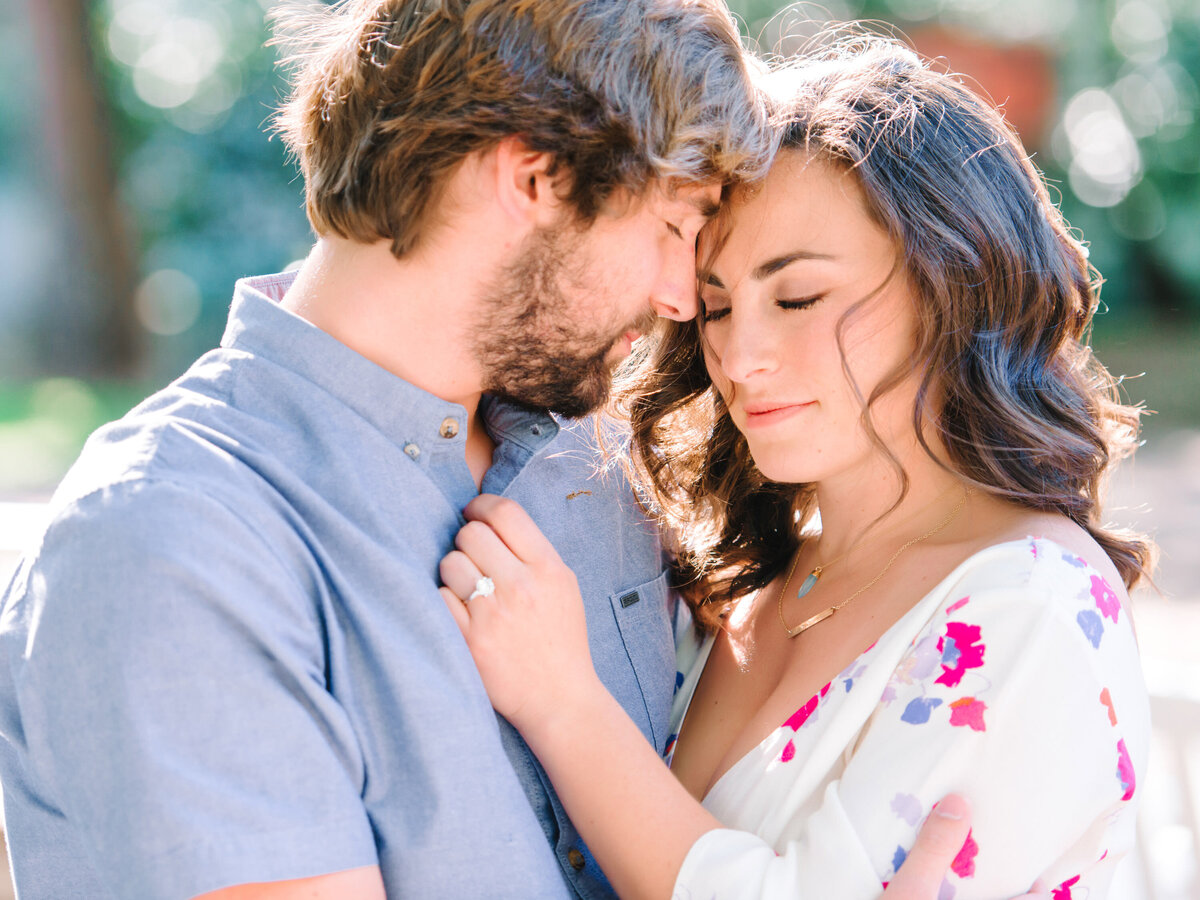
(525, 190)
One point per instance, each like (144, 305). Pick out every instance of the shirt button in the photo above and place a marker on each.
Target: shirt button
(575, 858)
(412, 450)
(535, 430)
(449, 428)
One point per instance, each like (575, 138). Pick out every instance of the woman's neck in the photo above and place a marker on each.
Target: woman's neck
(859, 507)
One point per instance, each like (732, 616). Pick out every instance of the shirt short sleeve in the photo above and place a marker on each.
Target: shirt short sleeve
(172, 698)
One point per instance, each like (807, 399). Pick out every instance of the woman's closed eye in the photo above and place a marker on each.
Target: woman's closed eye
(712, 312)
(799, 302)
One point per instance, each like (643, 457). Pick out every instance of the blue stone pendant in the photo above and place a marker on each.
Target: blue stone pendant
(813, 577)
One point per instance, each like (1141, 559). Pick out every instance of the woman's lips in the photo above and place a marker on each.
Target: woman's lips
(762, 414)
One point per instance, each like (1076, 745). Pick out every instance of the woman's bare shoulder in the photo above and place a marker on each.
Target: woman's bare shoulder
(1023, 523)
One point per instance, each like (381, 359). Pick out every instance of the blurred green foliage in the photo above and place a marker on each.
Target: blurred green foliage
(214, 198)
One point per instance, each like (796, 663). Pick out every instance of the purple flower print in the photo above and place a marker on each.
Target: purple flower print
(1093, 628)
(961, 650)
(918, 710)
(1072, 560)
(907, 808)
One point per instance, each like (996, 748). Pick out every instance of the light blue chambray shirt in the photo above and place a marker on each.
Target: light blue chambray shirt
(228, 662)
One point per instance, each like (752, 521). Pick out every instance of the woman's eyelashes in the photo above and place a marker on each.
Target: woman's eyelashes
(713, 312)
(800, 302)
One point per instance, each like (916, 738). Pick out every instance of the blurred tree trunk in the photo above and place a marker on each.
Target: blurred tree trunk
(93, 330)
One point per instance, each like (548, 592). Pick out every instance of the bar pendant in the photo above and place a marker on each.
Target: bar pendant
(809, 623)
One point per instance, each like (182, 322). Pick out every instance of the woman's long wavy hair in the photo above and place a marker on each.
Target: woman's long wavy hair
(1005, 296)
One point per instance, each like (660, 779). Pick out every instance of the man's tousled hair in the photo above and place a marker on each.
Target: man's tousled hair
(389, 96)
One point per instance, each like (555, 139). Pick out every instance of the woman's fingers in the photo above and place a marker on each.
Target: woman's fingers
(938, 843)
(490, 555)
(459, 573)
(458, 609)
(513, 526)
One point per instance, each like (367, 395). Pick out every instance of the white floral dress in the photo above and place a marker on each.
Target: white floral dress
(1015, 681)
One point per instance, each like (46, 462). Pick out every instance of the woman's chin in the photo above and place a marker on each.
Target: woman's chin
(784, 471)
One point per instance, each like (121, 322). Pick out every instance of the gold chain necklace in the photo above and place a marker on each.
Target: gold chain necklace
(815, 575)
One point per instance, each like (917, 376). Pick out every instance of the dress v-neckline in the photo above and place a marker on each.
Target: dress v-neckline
(706, 649)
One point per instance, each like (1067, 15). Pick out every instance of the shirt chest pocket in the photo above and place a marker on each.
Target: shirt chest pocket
(642, 614)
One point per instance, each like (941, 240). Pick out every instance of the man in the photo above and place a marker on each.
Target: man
(227, 667)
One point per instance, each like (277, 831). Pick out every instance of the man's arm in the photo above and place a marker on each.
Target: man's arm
(173, 699)
(354, 884)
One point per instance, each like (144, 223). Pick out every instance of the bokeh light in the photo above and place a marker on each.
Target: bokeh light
(1104, 159)
(167, 302)
(183, 58)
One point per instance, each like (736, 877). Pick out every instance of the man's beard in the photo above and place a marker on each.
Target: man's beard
(529, 347)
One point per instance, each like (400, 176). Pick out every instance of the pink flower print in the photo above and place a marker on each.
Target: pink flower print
(1063, 891)
(964, 864)
(968, 711)
(1106, 599)
(1125, 770)
(956, 606)
(797, 719)
(960, 651)
(1106, 699)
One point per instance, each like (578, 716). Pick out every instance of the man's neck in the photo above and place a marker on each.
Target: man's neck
(411, 317)
(408, 317)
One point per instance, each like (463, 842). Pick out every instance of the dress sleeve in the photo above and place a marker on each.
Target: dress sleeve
(173, 703)
(1023, 692)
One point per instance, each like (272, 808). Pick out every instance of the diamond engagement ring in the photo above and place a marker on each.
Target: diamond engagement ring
(484, 587)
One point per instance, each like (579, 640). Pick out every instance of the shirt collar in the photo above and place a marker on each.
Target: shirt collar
(258, 324)
(409, 415)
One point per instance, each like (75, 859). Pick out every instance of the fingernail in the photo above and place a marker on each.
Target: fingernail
(952, 806)
(947, 813)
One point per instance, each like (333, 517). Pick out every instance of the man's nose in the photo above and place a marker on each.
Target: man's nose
(674, 295)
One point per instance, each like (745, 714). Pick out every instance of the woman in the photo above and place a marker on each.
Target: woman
(893, 335)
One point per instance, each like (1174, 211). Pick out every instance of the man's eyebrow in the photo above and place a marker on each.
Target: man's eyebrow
(705, 206)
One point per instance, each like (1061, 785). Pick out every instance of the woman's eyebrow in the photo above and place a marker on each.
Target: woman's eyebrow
(771, 266)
